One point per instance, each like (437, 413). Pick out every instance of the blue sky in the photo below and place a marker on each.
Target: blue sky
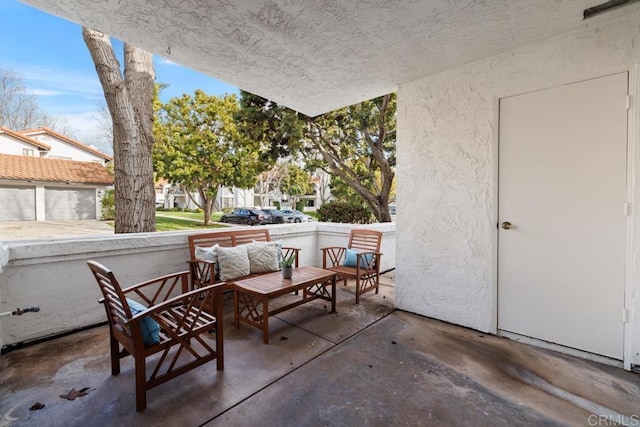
(54, 63)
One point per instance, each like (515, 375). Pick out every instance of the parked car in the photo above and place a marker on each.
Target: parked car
(278, 217)
(246, 216)
(298, 216)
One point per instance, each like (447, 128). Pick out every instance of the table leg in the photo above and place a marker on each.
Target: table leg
(333, 294)
(236, 304)
(265, 320)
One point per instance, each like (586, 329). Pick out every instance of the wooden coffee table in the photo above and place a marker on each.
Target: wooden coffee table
(252, 295)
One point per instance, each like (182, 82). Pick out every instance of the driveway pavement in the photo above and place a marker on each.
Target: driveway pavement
(21, 230)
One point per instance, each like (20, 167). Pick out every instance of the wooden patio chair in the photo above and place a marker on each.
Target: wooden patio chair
(171, 325)
(363, 265)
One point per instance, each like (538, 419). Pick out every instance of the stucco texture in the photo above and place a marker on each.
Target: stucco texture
(447, 170)
(316, 56)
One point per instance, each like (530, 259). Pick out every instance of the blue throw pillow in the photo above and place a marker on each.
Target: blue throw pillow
(351, 258)
(150, 328)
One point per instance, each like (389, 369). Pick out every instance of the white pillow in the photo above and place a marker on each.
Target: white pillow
(263, 257)
(206, 253)
(233, 262)
(209, 254)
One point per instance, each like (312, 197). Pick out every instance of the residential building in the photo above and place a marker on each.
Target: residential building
(47, 176)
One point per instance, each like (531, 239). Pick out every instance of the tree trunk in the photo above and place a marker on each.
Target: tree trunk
(130, 102)
(205, 204)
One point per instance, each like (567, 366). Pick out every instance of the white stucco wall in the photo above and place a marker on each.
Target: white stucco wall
(13, 146)
(447, 171)
(52, 273)
(63, 149)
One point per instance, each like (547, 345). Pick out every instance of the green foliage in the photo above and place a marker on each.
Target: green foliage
(199, 146)
(341, 192)
(276, 204)
(296, 182)
(300, 206)
(108, 211)
(277, 129)
(344, 213)
(355, 143)
(289, 261)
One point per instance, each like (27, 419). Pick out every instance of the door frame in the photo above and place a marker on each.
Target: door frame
(633, 186)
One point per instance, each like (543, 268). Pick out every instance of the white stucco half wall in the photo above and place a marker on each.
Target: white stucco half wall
(447, 171)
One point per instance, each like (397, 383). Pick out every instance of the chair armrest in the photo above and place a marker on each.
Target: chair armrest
(202, 272)
(166, 286)
(332, 248)
(374, 260)
(332, 255)
(199, 260)
(151, 310)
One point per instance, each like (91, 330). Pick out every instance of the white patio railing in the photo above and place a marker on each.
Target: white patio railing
(52, 273)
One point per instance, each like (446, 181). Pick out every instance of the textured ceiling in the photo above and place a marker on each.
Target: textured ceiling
(315, 56)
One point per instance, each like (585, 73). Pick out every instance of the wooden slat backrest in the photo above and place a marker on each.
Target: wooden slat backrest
(227, 238)
(117, 309)
(367, 240)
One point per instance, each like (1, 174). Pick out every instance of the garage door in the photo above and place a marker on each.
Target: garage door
(70, 203)
(17, 203)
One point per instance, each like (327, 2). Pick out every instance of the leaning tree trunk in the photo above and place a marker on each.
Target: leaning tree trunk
(130, 102)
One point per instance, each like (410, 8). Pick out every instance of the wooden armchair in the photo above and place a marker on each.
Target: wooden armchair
(364, 266)
(182, 323)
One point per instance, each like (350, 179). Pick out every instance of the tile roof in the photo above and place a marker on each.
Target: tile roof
(80, 145)
(54, 170)
(24, 138)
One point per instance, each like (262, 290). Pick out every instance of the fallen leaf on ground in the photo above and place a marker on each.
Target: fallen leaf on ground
(36, 406)
(73, 394)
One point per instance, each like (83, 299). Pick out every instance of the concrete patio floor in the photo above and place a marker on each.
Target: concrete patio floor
(365, 365)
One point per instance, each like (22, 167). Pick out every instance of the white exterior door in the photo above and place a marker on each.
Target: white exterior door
(17, 203)
(72, 203)
(562, 186)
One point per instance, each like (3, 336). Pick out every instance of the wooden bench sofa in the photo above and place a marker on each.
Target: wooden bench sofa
(203, 272)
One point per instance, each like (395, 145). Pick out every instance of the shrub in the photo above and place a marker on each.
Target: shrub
(300, 206)
(108, 211)
(344, 213)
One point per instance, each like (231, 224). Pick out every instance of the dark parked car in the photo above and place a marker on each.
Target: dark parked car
(278, 217)
(246, 216)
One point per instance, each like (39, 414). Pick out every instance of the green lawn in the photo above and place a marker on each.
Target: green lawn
(172, 221)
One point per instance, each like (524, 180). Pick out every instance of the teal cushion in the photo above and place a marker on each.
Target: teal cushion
(351, 258)
(150, 328)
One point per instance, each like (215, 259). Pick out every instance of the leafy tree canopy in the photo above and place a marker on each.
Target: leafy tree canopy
(356, 144)
(296, 182)
(277, 129)
(200, 147)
